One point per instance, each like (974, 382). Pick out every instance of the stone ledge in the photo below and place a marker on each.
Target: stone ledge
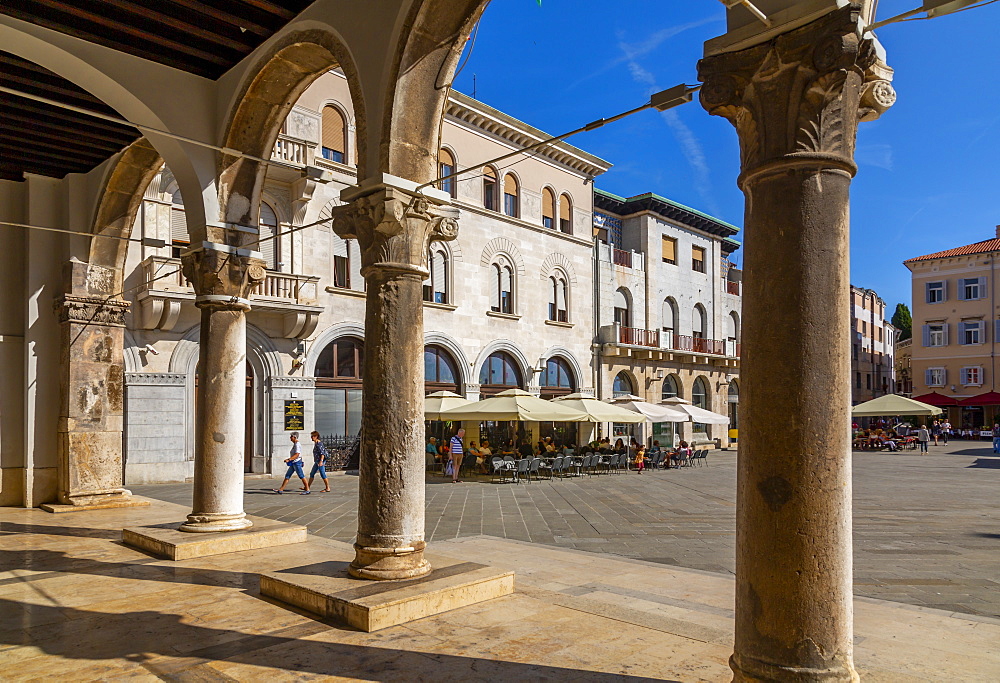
(59, 508)
(327, 590)
(164, 540)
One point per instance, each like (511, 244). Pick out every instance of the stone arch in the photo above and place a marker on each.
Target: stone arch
(527, 372)
(345, 329)
(678, 385)
(455, 349)
(184, 359)
(114, 216)
(432, 40)
(566, 355)
(279, 203)
(263, 102)
(631, 378)
(502, 245)
(558, 261)
(130, 353)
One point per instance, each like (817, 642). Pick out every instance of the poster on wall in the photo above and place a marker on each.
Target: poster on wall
(295, 416)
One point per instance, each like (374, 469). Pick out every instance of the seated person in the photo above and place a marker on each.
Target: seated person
(474, 451)
(525, 450)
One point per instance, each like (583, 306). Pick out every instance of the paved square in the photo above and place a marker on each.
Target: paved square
(926, 527)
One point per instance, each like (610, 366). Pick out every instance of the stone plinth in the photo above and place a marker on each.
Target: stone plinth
(328, 590)
(109, 503)
(165, 540)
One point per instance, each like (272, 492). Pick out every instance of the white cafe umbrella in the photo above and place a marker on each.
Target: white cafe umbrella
(893, 404)
(514, 405)
(599, 411)
(651, 411)
(439, 401)
(694, 413)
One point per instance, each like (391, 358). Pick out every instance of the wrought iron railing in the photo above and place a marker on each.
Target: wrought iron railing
(338, 449)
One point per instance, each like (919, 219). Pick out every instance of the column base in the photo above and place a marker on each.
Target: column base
(389, 564)
(163, 540)
(209, 523)
(749, 670)
(101, 500)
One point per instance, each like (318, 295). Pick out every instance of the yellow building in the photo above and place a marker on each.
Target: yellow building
(955, 326)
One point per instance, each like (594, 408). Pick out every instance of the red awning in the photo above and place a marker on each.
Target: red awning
(990, 398)
(936, 399)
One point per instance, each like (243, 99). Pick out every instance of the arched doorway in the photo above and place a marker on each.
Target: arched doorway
(558, 380)
(734, 401)
(339, 372)
(500, 372)
(699, 399)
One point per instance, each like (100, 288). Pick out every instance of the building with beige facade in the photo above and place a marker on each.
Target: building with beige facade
(956, 322)
(509, 303)
(668, 309)
(873, 368)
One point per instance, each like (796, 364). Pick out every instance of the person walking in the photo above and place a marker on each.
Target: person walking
(457, 453)
(319, 462)
(996, 437)
(294, 462)
(936, 431)
(945, 430)
(923, 437)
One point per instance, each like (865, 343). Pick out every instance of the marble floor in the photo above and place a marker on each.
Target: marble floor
(75, 604)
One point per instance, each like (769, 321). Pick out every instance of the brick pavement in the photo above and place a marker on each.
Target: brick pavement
(925, 526)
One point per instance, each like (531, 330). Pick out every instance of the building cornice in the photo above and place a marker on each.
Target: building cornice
(668, 210)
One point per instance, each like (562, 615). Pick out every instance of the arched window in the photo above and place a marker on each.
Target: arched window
(339, 370)
(669, 317)
(698, 322)
(489, 189)
(734, 326)
(622, 385)
(548, 208)
(558, 378)
(565, 214)
(440, 373)
(558, 308)
(334, 135)
(623, 312)
(446, 166)
(436, 286)
(671, 388)
(734, 400)
(511, 200)
(268, 228)
(502, 286)
(699, 399)
(499, 372)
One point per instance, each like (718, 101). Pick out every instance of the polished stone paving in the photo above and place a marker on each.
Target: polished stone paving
(77, 605)
(925, 526)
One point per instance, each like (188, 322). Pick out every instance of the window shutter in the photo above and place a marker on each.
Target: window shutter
(548, 203)
(178, 226)
(945, 329)
(430, 267)
(982, 375)
(356, 282)
(961, 333)
(267, 224)
(333, 130)
(982, 288)
(982, 331)
(507, 280)
(565, 214)
(561, 295)
(927, 292)
(439, 272)
(445, 157)
(944, 290)
(927, 378)
(495, 287)
(927, 334)
(338, 245)
(964, 376)
(553, 296)
(996, 329)
(669, 249)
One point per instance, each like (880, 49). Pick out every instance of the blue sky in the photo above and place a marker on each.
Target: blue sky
(928, 177)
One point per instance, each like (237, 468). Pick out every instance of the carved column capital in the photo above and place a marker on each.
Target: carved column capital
(394, 228)
(222, 276)
(798, 98)
(91, 310)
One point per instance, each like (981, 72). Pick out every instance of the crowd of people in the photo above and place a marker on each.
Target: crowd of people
(454, 456)
(940, 431)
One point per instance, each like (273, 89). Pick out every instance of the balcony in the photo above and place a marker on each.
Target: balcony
(732, 288)
(620, 257)
(293, 150)
(163, 291)
(659, 345)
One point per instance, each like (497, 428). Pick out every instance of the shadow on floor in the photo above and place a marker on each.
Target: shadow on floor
(167, 646)
(986, 463)
(44, 529)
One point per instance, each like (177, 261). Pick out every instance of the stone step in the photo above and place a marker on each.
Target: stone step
(165, 540)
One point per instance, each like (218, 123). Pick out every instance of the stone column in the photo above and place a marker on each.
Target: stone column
(91, 415)
(222, 277)
(394, 229)
(796, 102)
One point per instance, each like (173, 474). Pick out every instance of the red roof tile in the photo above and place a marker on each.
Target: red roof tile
(977, 248)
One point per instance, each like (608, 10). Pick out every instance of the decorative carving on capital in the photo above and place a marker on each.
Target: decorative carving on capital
(802, 94)
(394, 228)
(218, 273)
(92, 310)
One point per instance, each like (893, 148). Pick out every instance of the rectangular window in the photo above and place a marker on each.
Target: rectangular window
(864, 328)
(341, 272)
(448, 184)
(935, 292)
(547, 222)
(972, 332)
(855, 352)
(510, 204)
(972, 376)
(972, 288)
(858, 381)
(669, 250)
(936, 334)
(333, 155)
(698, 259)
(936, 377)
(868, 381)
